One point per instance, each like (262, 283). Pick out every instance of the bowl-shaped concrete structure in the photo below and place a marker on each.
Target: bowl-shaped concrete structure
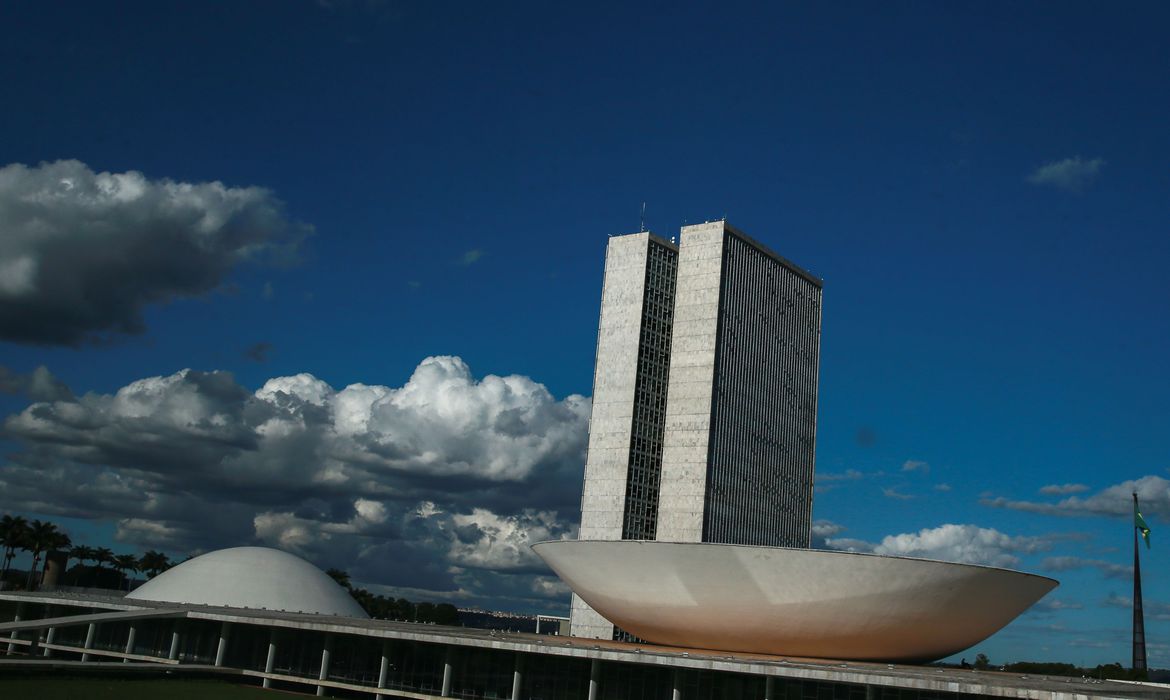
(251, 577)
(792, 602)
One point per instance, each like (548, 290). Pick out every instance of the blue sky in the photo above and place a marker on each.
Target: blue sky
(983, 188)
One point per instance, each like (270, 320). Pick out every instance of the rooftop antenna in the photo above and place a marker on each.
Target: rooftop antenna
(642, 226)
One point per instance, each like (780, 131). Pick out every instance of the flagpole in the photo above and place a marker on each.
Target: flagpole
(1139, 624)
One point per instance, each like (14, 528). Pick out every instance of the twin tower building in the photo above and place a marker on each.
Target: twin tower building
(704, 397)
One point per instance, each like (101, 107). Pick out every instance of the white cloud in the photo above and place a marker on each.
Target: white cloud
(942, 487)
(823, 531)
(914, 465)
(1055, 605)
(1113, 501)
(1063, 489)
(896, 494)
(966, 544)
(84, 252)
(441, 482)
(488, 541)
(1072, 174)
(848, 475)
(550, 587)
(848, 544)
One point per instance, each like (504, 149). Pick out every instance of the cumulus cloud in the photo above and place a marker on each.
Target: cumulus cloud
(83, 252)
(1071, 174)
(1063, 489)
(438, 484)
(489, 541)
(822, 533)
(1114, 501)
(968, 544)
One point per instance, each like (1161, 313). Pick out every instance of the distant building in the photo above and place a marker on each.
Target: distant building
(704, 399)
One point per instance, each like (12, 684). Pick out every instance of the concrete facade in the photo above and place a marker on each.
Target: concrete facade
(692, 375)
(704, 408)
(741, 416)
(619, 496)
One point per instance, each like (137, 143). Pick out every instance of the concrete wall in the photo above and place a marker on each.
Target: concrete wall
(692, 368)
(614, 380)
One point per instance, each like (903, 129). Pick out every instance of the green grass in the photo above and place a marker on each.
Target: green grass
(131, 689)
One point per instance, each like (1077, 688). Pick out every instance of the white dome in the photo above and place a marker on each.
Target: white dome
(252, 577)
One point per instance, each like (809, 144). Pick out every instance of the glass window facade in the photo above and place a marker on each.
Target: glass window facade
(649, 421)
(764, 401)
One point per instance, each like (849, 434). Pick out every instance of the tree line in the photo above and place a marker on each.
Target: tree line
(385, 608)
(40, 537)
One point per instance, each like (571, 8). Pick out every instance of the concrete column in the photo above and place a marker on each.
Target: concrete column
(130, 642)
(384, 669)
(517, 676)
(594, 678)
(50, 611)
(271, 661)
(225, 631)
(769, 688)
(326, 652)
(871, 692)
(446, 692)
(89, 633)
(173, 654)
(676, 681)
(50, 636)
(14, 635)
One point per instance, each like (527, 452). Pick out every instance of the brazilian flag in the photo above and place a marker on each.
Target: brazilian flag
(1140, 523)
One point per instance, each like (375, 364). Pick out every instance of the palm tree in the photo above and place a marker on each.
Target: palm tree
(82, 554)
(101, 555)
(39, 537)
(153, 563)
(12, 531)
(124, 562)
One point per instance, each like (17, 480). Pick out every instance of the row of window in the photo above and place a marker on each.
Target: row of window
(765, 397)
